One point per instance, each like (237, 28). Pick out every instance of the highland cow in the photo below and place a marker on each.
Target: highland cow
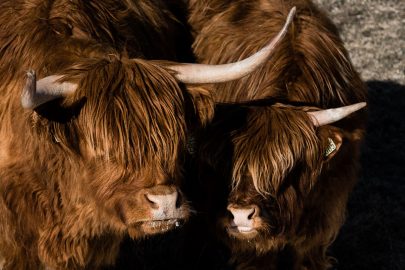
(276, 175)
(92, 151)
(271, 178)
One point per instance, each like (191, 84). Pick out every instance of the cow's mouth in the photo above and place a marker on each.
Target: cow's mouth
(243, 232)
(161, 226)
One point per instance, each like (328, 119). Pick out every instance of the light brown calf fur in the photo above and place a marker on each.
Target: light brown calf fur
(268, 157)
(76, 173)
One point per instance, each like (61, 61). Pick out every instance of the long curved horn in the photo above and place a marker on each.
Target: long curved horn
(329, 116)
(201, 73)
(36, 93)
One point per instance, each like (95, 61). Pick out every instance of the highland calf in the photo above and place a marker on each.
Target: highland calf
(275, 179)
(277, 172)
(92, 139)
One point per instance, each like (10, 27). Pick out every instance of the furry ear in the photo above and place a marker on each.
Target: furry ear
(203, 102)
(331, 139)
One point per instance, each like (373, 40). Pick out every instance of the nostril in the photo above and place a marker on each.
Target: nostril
(251, 215)
(179, 201)
(231, 214)
(150, 199)
(243, 215)
(166, 201)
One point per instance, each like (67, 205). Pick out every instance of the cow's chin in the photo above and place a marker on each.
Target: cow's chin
(151, 227)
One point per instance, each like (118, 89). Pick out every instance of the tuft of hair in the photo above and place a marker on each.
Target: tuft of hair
(273, 142)
(134, 112)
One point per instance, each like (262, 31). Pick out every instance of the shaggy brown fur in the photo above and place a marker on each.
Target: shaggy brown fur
(301, 205)
(271, 156)
(309, 65)
(74, 172)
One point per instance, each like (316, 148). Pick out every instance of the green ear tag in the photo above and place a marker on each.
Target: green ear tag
(331, 147)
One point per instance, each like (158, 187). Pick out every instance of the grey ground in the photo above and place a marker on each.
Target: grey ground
(374, 34)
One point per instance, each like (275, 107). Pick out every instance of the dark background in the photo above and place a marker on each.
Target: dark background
(374, 234)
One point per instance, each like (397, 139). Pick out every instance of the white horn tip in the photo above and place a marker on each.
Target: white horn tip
(291, 15)
(292, 11)
(361, 105)
(28, 90)
(329, 116)
(30, 73)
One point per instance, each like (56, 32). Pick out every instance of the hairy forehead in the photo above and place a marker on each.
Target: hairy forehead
(134, 112)
(269, 146)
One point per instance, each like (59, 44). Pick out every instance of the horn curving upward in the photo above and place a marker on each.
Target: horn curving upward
(329, 116)
(202, 73)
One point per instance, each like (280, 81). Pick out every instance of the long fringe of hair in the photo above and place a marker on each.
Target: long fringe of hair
(273, 141)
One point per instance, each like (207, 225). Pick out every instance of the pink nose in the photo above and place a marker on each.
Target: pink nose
(243, 217)
(164, 206)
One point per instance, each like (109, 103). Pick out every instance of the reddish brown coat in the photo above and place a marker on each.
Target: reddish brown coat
(74, 172)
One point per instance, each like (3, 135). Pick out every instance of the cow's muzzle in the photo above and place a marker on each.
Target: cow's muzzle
(167, 210)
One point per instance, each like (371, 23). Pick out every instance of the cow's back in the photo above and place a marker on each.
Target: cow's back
(309, 65)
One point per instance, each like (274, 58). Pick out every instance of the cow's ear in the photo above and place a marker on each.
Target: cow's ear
(331, 139)
(203, 103)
